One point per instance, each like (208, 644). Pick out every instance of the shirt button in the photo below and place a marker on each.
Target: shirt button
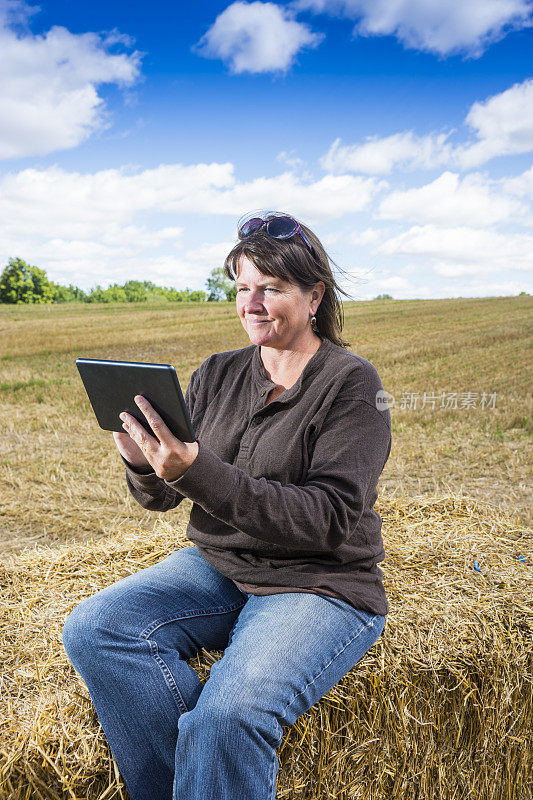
(263, 391)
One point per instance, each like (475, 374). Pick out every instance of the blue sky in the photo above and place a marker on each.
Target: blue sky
(133, 136)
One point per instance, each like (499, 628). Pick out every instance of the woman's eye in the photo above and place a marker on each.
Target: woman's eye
(269, 289)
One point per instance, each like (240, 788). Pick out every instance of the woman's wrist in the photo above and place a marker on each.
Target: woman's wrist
(144, 470)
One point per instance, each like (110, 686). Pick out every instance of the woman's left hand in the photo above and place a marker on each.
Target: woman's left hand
(169, 457)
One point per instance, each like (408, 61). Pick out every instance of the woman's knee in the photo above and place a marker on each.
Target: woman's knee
(86, 629)
(78, 632)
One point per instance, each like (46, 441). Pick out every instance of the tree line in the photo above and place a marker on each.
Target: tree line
(22, 283)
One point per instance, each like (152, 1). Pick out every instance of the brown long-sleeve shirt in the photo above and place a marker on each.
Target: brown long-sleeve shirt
(283, 494)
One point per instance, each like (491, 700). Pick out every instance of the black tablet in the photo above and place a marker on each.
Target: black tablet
(112, 385)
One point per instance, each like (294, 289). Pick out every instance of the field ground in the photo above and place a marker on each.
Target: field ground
(63, 480)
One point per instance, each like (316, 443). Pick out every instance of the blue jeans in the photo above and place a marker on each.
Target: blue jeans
(174, 738)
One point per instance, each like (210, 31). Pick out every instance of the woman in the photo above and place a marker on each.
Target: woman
(283, 573)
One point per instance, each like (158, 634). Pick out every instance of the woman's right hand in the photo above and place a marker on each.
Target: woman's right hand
(131, 452)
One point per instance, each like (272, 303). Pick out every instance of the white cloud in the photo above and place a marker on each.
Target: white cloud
(368, 236)
(290, 159)
(434, 26)
(503, 125)
(522, 185)
(48, 96)
(328, 198)
(256, 37)
(484, 288)
(474, 200)
(378, 156)
(394, 283)
(478, 287)
(455, 287)
(210, 252)
(73, 205)
(109, 222)
(463, 250)
(77, 205)
(164, 270)
(355, 236)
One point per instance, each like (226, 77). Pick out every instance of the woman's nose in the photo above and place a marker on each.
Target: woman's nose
(253, 300)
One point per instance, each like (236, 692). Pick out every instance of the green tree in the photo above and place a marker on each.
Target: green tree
(154, 292)
(135, 291)
(22, 283)
(231, 294)
(196, 295)
(174, 296)
(113, 294)
(68, 294)
(384, 297)
(219, 287)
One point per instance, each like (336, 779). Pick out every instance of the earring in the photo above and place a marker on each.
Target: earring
(313, 323)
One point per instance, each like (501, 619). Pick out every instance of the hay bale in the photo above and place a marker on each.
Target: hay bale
(440, 707)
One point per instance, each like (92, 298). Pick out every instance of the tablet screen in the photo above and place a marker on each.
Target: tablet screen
(112, 385)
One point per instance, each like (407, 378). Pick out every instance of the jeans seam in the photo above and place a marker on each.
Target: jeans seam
(370, 625)
(158, 623)
(273, 781)
(167, 675)
(154, 650)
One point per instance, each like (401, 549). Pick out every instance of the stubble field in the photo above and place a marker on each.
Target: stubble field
(441, 706)
(459, 372)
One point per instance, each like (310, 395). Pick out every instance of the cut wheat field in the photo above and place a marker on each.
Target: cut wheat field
(442, 705)
(63, 480)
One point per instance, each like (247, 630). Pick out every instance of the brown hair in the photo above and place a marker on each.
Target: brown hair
(292, 261)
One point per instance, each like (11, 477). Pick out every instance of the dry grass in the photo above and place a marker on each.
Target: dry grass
(62, 478)
(440, 707)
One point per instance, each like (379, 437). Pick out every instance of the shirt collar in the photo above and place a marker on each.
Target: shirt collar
(315, 363)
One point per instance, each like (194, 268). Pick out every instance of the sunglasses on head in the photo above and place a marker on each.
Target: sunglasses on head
(279, 227)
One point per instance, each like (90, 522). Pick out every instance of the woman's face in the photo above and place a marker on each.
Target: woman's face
(273, 312)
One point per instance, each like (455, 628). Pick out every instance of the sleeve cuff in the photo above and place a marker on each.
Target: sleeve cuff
(208, 481)
(141, 480)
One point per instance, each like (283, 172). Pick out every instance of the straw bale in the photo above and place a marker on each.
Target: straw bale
(440, 707)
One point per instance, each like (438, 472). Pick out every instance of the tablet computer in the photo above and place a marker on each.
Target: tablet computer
(112, 385)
